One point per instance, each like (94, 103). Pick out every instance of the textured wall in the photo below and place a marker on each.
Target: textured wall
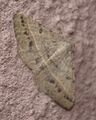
(19, 97)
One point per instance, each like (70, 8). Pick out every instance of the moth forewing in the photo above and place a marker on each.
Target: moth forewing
(49, 57)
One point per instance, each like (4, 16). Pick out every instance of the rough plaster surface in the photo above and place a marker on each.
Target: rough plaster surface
(19, 97)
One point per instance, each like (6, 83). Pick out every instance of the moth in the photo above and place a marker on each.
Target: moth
(49, 56)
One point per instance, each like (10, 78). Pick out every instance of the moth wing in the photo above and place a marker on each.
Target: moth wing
(25, 43)
(49, 56)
